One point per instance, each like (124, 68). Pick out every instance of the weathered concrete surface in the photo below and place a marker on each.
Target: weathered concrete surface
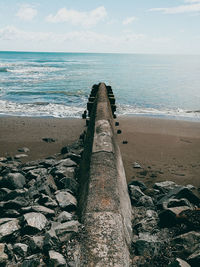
(106, 208)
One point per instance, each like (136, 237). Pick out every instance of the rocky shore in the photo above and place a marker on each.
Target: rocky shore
(166, 224)
(38, 201)
(39, 225)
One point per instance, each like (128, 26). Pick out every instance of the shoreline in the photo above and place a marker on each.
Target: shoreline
(166, 149)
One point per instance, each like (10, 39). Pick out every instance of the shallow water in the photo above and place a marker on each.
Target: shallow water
(58, 84)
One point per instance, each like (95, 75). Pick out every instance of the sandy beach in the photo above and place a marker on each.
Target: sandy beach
(165, 149)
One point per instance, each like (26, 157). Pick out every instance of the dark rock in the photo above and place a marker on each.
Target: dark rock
(32, 261)
(9, 228)
(34, 221)
(36, 243)
(50, 240)
(14, 181)
(172, 203)
(20, 156)
(179, 263)
(149, 223)
(66, 200)
(168, 217)
(194, 258)
(64, 217)
(15, 193)
(187, 243)
(3, 193)
(67, 163)
(139, 198)
(191, 218)
(47, 201)
(119, 131)
(56, 259)
(146, 202)
(166, 186)
(16, 203)
(11, 213)
(64, 150)
(65, 230)
(61, 172)
(48, 140)
(48, 163)
(46, 211)
(178, 193)
(20, 249)
(141, 185)
(24, 149)
(136, 165)
(69, 183)
(74, 157)
(3, 255)
(36, 173)
(147, 245)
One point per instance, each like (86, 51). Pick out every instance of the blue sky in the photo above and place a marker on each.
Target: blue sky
(129, 26)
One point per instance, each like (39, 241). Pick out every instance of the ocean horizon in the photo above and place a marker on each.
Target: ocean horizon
(56, 84)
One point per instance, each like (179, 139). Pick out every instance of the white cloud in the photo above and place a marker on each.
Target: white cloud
(75, 40)
(178, 9)
(129, 20)
(26, 12)
(192, 1)
(79, 18)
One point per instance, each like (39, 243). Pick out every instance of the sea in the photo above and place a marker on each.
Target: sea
(58, 84)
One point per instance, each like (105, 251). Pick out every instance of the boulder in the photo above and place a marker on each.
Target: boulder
(47, 201)
(56, 259)
(191, 218)
(169, 217)
(147, 245)
(135, 193)
(146, 202)
(20, 249)
(3, 255)
(179, 263)
(34, 221)
(64, 217)
(35, 243)
(32, 261)
(50, 240)
(178, 193)
(46, 211)
(9, 229)
(24, 149)
(194, 258)
(172, 203)
(20, 156)
(165, 187)
(69, 183)
(16, 203)
(66, 200)
(14, 181)
(141, 185)
(61, 172)
(65, 230)
(36, 173)
(149, 223)
(64, 150)
(187, 243)
(67, 163)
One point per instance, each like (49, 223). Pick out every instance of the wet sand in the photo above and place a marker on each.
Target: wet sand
(165, 149)
(18, 132)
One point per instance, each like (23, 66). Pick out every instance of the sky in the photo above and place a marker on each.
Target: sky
(107, 26)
